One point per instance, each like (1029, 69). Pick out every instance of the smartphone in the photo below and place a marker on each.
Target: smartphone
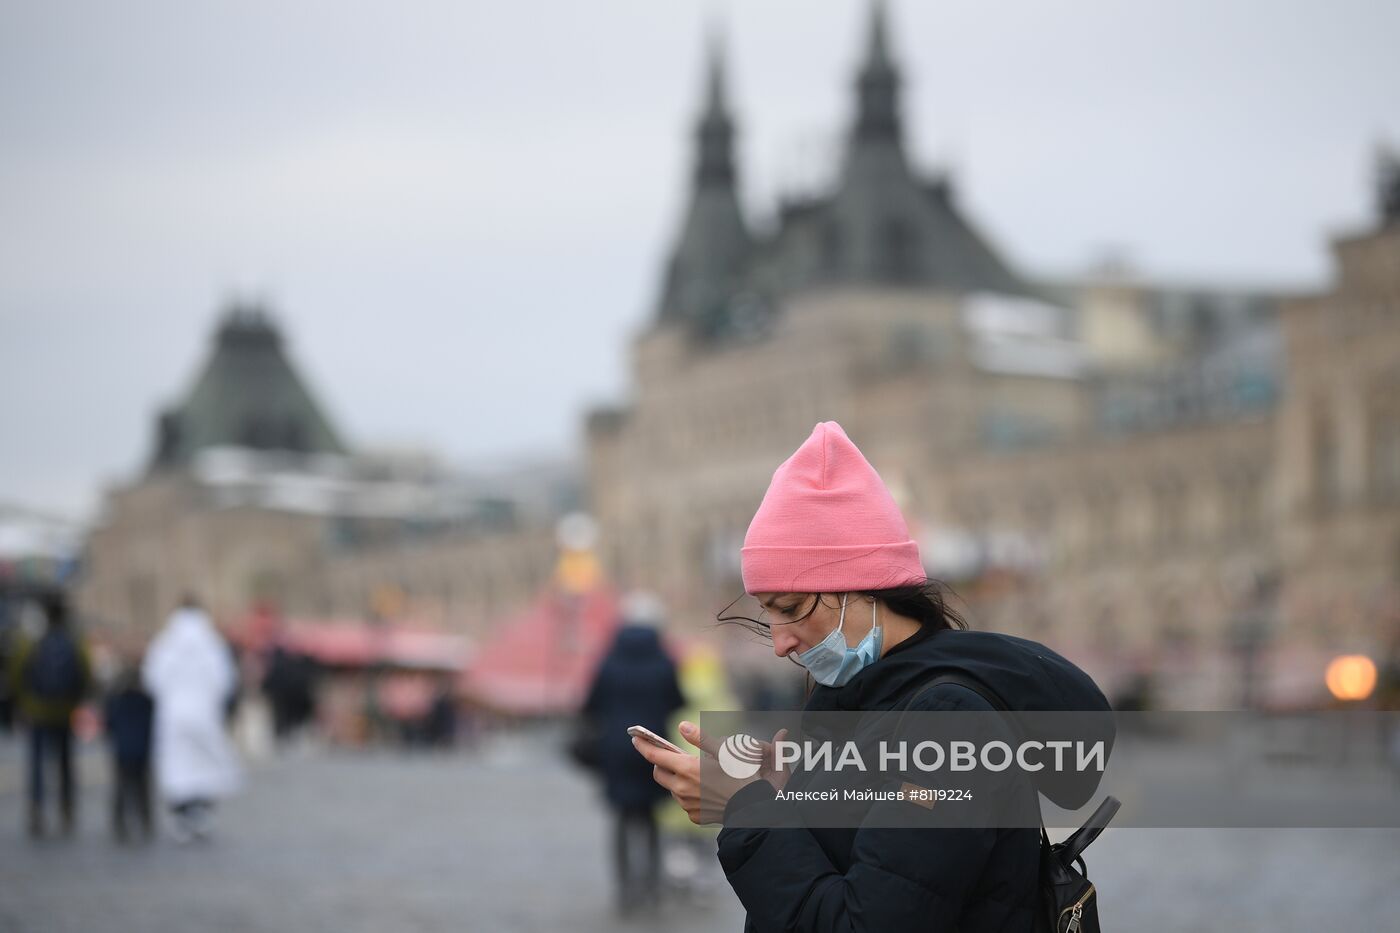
(642, 732)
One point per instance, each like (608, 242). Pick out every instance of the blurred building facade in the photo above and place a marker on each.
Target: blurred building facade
(251, 497)
(1128, 469)
(1118, 466)
(1338, 437)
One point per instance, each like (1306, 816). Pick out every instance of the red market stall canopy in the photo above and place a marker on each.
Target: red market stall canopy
(542, 661)
(359, 644)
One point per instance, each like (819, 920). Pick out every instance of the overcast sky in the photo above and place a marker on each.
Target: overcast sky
(459, 210)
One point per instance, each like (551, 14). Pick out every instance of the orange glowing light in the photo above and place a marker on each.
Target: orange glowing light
(1351, 676)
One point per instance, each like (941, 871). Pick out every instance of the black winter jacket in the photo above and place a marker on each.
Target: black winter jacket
(891, 880)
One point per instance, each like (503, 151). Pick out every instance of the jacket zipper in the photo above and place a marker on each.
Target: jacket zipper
(1075, 911)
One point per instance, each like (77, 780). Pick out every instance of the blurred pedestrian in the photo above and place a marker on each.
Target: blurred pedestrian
(128, 714)
(49, 677)
(289, 685)
(9, 644)
(440, 724)
(190, 675)
(636, 684)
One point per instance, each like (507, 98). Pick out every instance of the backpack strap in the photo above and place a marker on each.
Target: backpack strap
(1079, 840)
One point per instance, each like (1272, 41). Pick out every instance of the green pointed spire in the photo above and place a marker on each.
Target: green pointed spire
(247, 395)
(877, 84)
(884, 223)
(879, 49)
(714, 135)
(714, 246)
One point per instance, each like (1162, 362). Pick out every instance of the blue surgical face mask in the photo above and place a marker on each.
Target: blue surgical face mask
(831, 662)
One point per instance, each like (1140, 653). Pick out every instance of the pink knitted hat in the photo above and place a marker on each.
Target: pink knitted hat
(828, 525)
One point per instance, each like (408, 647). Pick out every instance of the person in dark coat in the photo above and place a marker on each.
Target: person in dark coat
(440, 722)
(129, 713)
(289, 685)
(636, 684)
(845, 595)
(51, 677)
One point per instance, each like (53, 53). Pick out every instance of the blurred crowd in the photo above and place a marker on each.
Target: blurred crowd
(176, 715)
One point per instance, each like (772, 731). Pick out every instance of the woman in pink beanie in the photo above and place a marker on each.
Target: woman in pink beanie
(845, 595)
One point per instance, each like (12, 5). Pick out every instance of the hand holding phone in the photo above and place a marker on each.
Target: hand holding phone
(642, 732)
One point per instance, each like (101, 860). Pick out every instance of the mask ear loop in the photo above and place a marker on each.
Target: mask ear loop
(842, 621)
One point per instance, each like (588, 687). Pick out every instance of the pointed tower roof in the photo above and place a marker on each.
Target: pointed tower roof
(884, 224)
(1388, 184)
(877, 84)
(247, 395)
(714, 245)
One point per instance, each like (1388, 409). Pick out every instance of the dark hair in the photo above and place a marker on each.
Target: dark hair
(926, 603)
(55, 606)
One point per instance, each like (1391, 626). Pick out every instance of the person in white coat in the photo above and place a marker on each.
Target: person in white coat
(190, 673)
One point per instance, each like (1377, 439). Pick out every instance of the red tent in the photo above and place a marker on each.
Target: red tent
(355, 643)
(542, 660)
(358, 644)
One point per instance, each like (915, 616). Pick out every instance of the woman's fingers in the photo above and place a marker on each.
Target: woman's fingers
(692, 734)
(680, 774)
(671, 761)
(769, 753)
(771, 771)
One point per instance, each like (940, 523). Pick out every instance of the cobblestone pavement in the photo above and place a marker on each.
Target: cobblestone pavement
(509, 838)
